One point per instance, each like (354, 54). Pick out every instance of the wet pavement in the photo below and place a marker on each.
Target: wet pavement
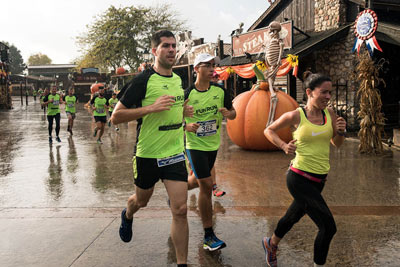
(60, 204)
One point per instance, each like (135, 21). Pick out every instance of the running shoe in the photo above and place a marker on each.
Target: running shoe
(117, 129)
(125, 230)
(58, 139)
(50, 140)
(95, 132)
(212, 243)
(270, 252)
(99, 141)
(217, 192)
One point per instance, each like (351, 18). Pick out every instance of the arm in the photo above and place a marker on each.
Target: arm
(339, 129)
(289, 119)
(229, 114)
(123, 114)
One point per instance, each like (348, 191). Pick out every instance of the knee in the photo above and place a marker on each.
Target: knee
(329, 228)
(134, 202)
(180, 211)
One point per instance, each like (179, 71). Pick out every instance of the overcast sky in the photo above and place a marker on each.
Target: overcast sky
(51, 26)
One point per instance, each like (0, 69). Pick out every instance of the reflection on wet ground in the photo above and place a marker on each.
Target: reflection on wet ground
(78, 178)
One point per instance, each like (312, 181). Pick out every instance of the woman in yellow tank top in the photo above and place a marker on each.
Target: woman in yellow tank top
(314, 127)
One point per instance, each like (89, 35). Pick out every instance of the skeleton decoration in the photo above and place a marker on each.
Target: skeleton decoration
(184, 44)
(273, 54)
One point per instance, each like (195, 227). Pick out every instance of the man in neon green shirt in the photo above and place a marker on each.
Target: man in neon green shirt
(99, 107)
(53, 101)
(210, 103)
(70, 108)
(111, 104)
(155, 99)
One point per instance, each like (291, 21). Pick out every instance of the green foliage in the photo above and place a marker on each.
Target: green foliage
(119, 36)
(39, 59)
(17, 65)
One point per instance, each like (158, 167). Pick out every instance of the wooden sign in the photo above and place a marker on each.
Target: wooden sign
(252, 42)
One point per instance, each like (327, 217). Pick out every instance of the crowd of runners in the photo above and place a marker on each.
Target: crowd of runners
(178, 137)
(51, 101)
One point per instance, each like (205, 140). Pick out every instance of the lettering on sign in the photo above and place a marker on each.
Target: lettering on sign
(252, 42)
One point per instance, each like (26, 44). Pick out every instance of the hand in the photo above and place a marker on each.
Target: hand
(162, 103)
(340, 125)
(290, 148)
(192, 127)
(188, 110)
(225, 112)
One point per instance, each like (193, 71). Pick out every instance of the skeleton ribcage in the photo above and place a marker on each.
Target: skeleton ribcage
(272, 57)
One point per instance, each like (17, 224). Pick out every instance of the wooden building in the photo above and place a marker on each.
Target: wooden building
(5, 94)
(323, 38)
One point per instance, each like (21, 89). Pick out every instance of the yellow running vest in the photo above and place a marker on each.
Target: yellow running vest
(313, 144)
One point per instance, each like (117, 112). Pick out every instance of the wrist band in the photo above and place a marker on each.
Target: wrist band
(341, 133)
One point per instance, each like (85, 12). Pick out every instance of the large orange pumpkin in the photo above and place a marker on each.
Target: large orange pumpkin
(95, 87)
(252, 110)
(120, 70)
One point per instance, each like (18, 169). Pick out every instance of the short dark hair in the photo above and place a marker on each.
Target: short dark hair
(156, 38)
(313, 80)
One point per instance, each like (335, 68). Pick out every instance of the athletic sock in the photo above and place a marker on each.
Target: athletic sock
(208, 232)
(214, 186)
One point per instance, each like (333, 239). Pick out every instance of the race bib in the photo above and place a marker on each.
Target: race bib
(70, 105)
(100, 110)
(207, 128)
(56, 102)
(170, 160)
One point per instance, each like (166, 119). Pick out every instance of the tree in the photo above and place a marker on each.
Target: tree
(39, 59)
(119, 36)
(17, 65)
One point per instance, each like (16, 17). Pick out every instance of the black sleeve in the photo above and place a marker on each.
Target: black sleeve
(93, 99)
(227, 99)
(46, 98)
(63, 98)
(227, 96)
(188, 90)
(135, 92)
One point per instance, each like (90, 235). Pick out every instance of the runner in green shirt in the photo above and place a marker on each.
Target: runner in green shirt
(53, 102)
(99, 107)
(42, 96)
(210, 103)
(70, 108)
(155, 99)
(111, 104)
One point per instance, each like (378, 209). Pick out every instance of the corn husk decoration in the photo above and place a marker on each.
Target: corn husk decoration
(372, 119)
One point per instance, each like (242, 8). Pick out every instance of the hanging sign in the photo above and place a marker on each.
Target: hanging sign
(364, 29)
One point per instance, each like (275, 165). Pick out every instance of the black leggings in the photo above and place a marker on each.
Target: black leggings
(308, 200)
(50, 120)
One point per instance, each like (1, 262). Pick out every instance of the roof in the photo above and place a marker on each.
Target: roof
(53, 66)
(302, 45)
(270, 14)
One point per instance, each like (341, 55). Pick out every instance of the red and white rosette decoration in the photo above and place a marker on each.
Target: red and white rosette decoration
(364, 29)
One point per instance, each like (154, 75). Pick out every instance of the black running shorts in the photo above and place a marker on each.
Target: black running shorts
(147, 173)
(100, 118)
(201, 161)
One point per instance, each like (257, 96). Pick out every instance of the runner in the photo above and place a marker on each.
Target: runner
(99, 107)
(155, 99)
(314, 128)
(211, 103)
(70, 108)
(53, 101)
(217, 192)
(111, 103)
(34, 94)
(42, 96)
